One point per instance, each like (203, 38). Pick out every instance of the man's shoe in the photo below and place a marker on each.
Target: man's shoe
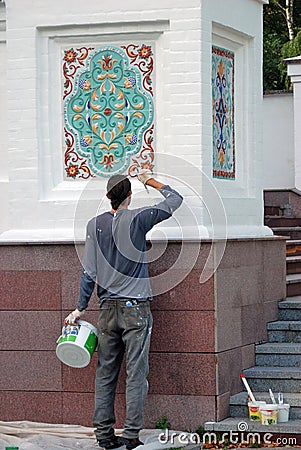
(130, 443)
(109, 443)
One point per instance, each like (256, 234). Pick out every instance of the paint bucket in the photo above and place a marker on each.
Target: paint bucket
(77, 344)
(283, 412)
(254, 413)
(268, 414)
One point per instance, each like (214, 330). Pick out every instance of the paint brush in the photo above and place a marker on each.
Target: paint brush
(247, 387)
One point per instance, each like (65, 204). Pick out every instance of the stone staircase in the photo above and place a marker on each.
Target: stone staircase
(278, 367)
(278, 361)
(282, 226)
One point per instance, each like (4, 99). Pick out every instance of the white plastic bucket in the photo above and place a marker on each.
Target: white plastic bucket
(269, 414)
(283, 412)
(254, 413)
(77, 344)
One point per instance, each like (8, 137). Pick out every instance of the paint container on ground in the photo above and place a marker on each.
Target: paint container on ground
(254, 413)
(283, 412)
(269, 414)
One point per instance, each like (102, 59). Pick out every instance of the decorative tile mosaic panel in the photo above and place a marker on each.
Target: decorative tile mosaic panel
(223, 113)
(108, 110)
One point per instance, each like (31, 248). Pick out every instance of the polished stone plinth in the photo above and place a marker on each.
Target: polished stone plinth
(203, 334)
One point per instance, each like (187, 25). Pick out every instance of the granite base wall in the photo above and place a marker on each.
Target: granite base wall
(203, 335)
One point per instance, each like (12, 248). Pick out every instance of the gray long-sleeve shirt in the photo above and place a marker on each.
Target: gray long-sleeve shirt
(115, 251)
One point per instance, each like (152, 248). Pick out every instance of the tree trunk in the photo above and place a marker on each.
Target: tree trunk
(289, 14)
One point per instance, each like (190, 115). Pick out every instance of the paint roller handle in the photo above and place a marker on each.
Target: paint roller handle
(272, 397)
(280, 398)
(247, 387)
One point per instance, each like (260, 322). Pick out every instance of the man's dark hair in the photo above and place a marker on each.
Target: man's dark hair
(118, 188)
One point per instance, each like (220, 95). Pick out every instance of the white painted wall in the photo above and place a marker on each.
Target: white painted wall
(241, 33)
(294, 71)
(4, 216)
(278, 141)
(183, 35)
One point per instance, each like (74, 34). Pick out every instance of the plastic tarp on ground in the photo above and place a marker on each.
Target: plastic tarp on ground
(42, 436)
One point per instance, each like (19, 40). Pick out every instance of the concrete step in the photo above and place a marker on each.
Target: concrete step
(272, 211)
(284, 331)
(279, 379)
(291, 232)
(293, 284)
(282, 221)
(293, 247)
(289, 431)
(239, 403)
(293, 264)
(290, 309)
(278, 354)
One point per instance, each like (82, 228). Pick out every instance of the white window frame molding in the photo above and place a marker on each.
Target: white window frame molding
(242, 45)
(50, 40)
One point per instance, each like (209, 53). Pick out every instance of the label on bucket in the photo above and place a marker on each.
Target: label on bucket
(254, 412)
(268, 414)
(91, 343)
(69, 338)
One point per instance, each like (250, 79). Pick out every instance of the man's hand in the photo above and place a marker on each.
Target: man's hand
(73, 317)
(144, 176)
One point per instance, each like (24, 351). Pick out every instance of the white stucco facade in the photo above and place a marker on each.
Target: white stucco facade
(278, 141)
(294, 71)
(40, 204)
(281, 134)
(4, 221)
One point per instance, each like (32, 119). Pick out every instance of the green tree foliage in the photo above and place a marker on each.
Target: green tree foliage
(271, 63)
(288, 50)
(276, 43)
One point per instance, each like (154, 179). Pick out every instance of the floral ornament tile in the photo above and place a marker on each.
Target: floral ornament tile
(223, 113)
(108, 110)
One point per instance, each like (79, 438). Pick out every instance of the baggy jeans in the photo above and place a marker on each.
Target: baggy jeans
(122, 330)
